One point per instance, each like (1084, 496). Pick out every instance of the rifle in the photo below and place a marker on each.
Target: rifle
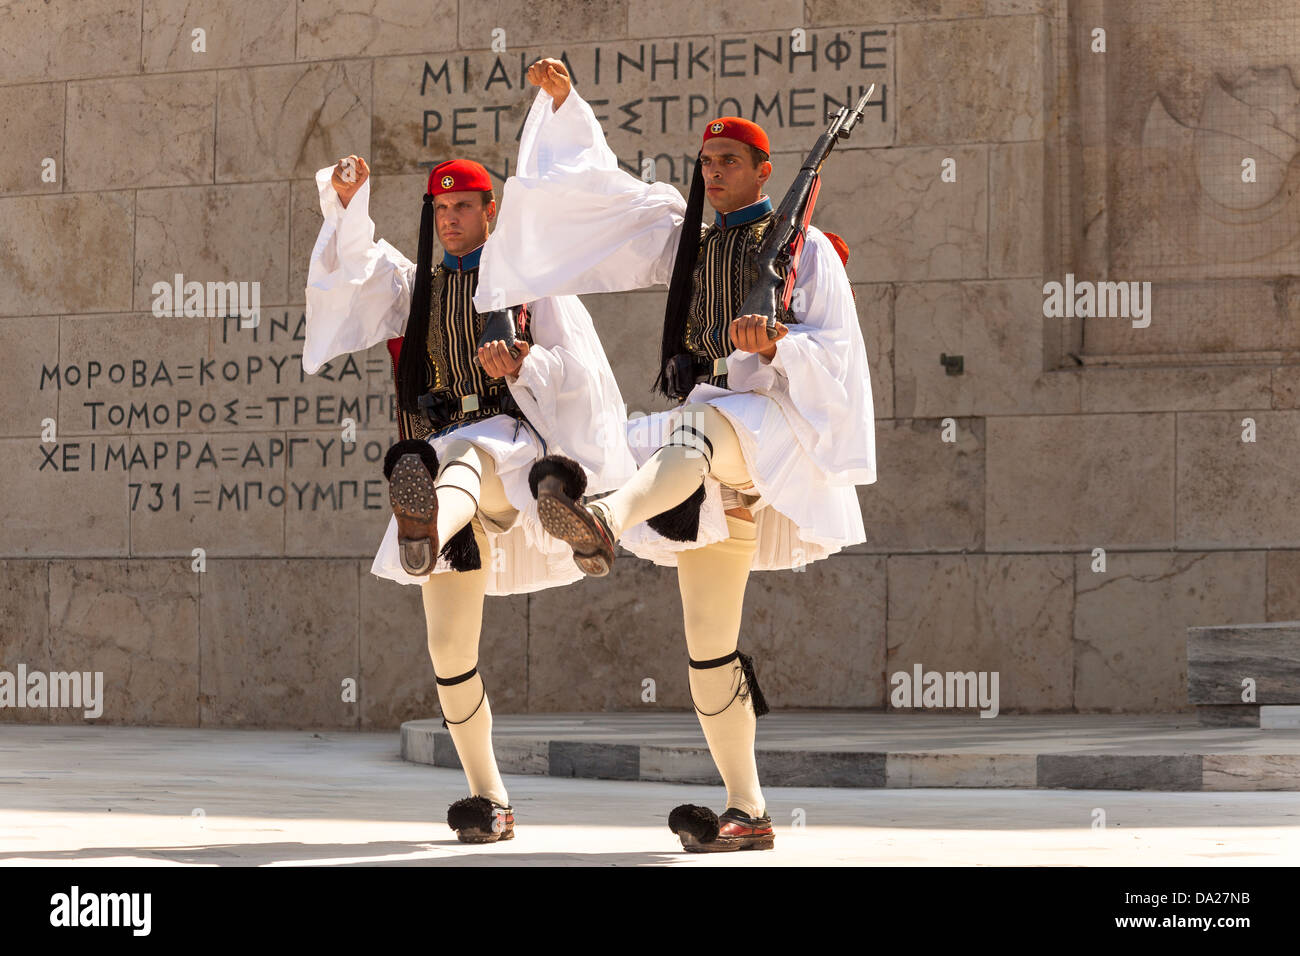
(784, 240)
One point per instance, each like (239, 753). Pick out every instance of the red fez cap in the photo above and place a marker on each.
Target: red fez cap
(733, 127)
(457, 175)
(840, 245)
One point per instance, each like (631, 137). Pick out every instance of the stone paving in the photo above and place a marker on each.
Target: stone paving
(164, 797)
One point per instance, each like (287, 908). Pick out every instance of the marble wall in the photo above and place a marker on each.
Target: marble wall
(128, 156)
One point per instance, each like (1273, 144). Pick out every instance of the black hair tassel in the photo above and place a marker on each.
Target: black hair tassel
(412, 371)
(683, 278)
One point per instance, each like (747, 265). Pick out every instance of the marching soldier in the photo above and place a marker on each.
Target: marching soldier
(481, 396)
(755, 468)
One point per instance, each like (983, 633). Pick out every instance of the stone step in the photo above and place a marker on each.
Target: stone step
(1220, 658)
(872, 750)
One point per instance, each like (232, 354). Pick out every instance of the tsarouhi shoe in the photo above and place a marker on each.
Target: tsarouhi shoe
(702, 831)
(410, 467)
(480, 820)
(557, 484)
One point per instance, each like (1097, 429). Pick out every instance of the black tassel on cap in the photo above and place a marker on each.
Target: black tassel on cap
(679, 287)
(412, 373)
(755, 693)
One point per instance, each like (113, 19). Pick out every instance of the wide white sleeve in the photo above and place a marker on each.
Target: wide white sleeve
(568, 392)
(820, 369)
(572, 222)
(358, 290)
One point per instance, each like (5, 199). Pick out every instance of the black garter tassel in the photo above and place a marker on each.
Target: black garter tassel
(755, 693)
(682, 522)
(461, 551)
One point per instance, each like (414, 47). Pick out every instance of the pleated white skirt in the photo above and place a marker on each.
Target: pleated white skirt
(524, 557)
(806, 518)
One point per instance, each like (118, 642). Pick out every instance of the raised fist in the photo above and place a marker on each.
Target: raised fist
(349, 174)
(552, 76)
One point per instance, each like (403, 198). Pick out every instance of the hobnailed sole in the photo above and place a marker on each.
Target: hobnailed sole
(415, 505)
(468, 835)
(571, 523)
(726, 844)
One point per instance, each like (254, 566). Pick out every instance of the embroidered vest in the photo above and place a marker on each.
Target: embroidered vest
(725, 270)
(451, 376)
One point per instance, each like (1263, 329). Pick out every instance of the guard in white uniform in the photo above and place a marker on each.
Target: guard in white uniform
(474, 414)
(756, 469)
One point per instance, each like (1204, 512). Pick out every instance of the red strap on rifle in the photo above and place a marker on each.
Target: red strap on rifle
(796, 247)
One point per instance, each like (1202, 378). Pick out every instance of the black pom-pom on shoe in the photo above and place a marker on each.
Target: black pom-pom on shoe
(558, 484)
(473, 812)
(698, 824)
(566, 469)
(411, 446)
(479, 820)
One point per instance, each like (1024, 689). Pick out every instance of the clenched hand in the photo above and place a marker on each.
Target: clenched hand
(749, 334)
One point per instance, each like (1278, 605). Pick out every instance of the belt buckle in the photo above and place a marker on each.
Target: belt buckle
(720, 365)
(469, 403)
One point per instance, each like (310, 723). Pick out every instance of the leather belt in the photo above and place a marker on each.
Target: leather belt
(685, 370)
(440, 409)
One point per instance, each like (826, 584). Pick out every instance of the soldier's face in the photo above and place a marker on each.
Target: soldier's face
(731, 180)
(462, 219)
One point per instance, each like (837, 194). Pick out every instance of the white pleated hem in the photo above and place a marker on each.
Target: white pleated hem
(806, 519)
(523, 558)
